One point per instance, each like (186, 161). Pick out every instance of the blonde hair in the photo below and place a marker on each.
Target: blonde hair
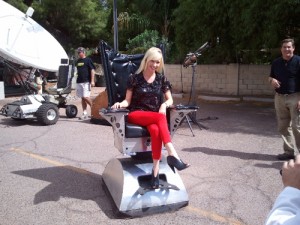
(152, 54)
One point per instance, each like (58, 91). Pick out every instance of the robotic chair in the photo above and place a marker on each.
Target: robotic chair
(127, 179)
(43, 107)
(63, 88)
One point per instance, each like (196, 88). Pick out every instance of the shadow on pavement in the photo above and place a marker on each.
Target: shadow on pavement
(70, 182)
(240, 155)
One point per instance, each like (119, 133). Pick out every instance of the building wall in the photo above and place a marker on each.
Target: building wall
(227, 80)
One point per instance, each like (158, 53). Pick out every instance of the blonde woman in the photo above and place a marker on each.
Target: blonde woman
(148, 96)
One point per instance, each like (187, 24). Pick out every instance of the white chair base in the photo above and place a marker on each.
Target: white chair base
(128, 183)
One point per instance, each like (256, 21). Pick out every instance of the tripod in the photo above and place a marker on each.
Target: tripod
(191, 60)
(192, 116)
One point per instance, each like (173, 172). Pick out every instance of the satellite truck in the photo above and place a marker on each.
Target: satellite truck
(30, 51)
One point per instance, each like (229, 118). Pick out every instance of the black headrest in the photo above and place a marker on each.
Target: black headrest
(117, 67)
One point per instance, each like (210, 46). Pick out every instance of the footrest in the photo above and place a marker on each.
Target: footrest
(163, 185)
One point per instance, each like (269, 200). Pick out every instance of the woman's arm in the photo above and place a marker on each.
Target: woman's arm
(125, 103)
(169, 98)
(167, 103)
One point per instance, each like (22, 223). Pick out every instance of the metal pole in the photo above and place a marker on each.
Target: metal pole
(116, 45)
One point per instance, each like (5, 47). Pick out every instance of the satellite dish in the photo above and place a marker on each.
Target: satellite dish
(25, 42)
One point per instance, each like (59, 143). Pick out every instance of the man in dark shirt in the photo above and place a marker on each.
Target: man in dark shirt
(285, 79)
(85, 80)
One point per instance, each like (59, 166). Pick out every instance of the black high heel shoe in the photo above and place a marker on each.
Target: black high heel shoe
(154, 181)
(177, 163)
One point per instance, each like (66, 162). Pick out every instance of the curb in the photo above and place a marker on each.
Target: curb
(228, 98)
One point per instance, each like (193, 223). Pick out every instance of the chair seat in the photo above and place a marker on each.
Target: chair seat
(135, 131)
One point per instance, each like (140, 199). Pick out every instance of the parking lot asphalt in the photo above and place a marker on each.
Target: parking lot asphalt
(53, 174)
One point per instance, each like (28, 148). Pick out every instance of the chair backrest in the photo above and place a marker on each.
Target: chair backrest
(117, 67)
(63, 76)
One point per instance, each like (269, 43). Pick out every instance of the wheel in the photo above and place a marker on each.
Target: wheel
(47, 114)
(71, 111)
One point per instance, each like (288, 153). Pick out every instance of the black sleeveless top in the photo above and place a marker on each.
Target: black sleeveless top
(147, 96)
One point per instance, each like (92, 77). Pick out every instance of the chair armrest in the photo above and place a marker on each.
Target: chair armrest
(186, 107)
(177, 114)
(114, 116)
(110, 110)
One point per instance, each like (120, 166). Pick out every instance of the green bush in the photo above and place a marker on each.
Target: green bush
(149, 38)
(142, 42)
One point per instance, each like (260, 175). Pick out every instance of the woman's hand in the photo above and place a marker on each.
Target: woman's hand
(163, 109)
(125, 103)
(117, 105)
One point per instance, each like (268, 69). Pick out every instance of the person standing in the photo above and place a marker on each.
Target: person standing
(85, 80)
(148, 96)
(285, 79)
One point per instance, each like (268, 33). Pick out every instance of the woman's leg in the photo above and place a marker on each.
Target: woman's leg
(171, 150)
(148, 119)
(155, 167)
(145, 119)
(156, 142)
(156, 145)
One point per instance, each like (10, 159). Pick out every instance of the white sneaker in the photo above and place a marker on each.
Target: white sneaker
(83, 117)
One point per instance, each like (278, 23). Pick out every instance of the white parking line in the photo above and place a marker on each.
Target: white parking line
(213, 216)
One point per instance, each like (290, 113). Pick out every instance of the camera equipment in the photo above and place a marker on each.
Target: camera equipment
(191, 60)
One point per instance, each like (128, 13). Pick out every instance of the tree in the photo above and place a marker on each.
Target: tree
(149, 38)
(72, 23)
(135, 16)
(242, 25)
(235, 28)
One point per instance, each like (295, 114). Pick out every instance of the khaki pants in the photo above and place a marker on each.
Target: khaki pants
(288, 119)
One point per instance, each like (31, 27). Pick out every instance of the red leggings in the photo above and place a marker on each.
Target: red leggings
(157, 126)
